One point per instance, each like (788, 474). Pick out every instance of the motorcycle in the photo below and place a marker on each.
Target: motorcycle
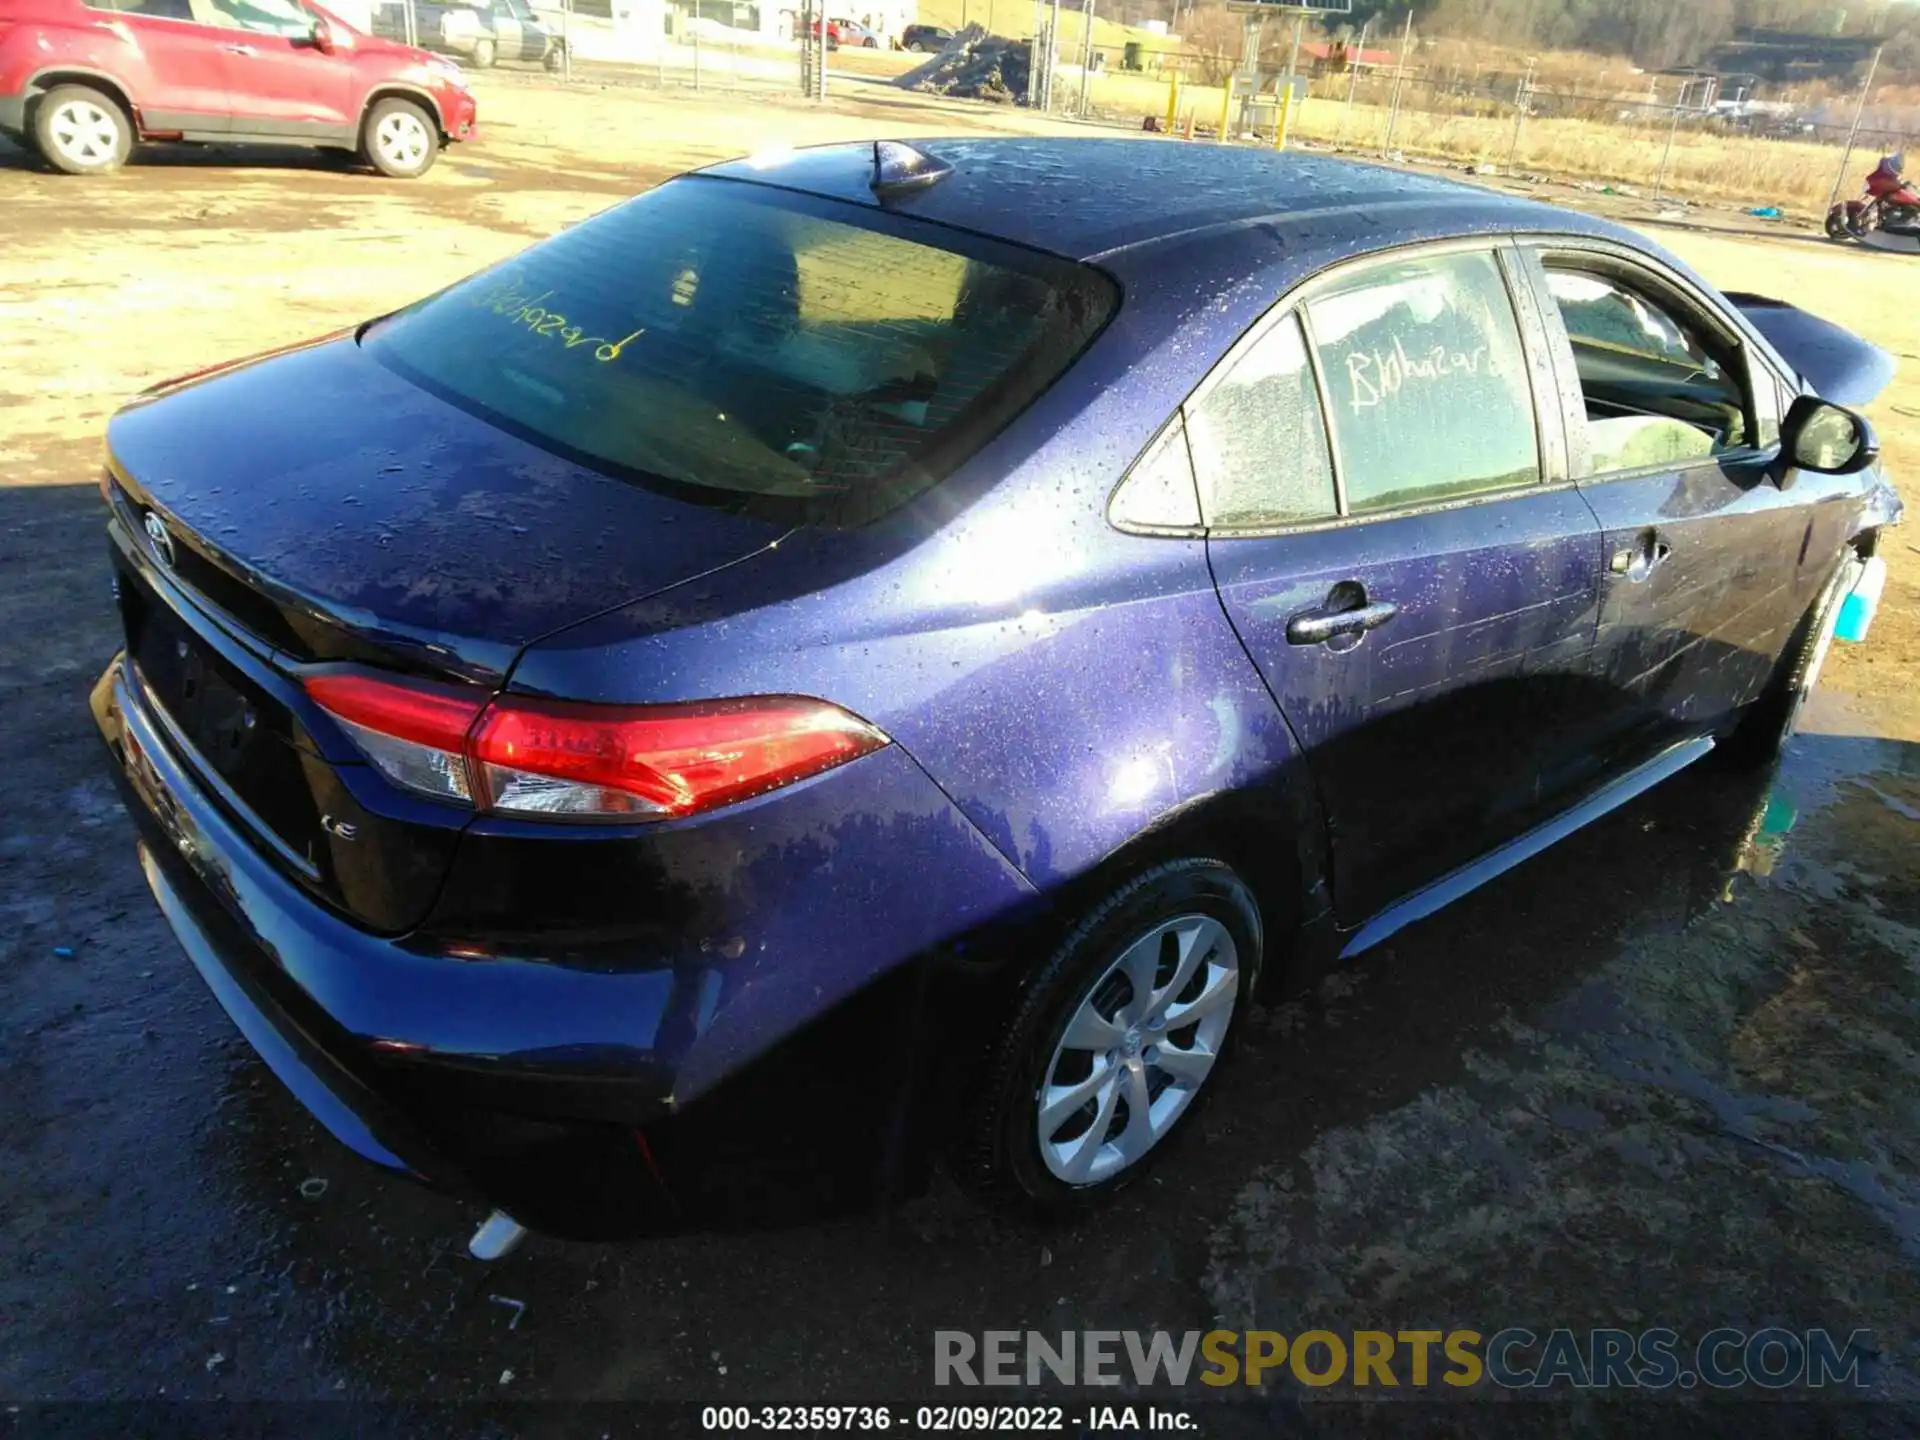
(1886, 217)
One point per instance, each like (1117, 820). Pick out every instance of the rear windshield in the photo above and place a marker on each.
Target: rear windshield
(743, 347)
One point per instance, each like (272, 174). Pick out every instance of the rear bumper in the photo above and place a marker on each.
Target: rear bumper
(522, 1082)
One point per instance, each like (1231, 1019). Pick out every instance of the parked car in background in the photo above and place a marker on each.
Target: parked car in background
(482, 34)
(81, 83)
(800, 682)
(852, 32)
(924, 38)
(833, 33)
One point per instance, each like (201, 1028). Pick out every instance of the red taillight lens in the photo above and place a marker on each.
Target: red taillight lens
(534, 757)
(415, 735)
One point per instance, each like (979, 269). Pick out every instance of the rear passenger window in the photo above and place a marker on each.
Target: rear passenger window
(1259, 440)
(1427, 383)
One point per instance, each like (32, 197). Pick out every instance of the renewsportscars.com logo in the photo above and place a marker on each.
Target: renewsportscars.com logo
(1513, 1358)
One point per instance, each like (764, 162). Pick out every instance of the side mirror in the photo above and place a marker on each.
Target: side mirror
(1827, 439)
(322, 36)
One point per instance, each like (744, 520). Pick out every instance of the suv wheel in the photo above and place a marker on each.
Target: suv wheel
(484, 54)
(1114, 1040)
(80, 131)
(401, 139)
(557, 57)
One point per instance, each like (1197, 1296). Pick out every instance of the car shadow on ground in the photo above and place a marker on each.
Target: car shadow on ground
(180, 156)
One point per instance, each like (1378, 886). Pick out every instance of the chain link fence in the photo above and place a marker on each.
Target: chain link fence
(1760, 155)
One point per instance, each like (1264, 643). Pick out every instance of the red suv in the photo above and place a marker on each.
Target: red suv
(82, 80)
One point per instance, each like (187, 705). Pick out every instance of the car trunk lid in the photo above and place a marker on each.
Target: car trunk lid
(315, 509)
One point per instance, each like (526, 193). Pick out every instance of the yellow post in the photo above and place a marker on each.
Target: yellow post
(1226, 104)
(1286, 117)
(1173, 102)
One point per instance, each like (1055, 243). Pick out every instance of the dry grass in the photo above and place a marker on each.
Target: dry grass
(1794, 175)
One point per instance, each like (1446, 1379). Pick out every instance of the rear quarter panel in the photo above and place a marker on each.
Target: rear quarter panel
(1069, 686)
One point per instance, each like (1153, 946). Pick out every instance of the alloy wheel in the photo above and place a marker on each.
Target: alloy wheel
(1137, 1049)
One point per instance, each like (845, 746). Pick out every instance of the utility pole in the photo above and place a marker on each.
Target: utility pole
(1520, 112)
(1086, 53)
(1399, 83)
(1853, 135)
(1673, 129)
(1353, 77)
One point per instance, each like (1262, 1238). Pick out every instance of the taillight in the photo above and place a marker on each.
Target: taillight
(522, 756)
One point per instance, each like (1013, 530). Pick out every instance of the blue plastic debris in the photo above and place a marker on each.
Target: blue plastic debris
(1767, 212)
(64, 952)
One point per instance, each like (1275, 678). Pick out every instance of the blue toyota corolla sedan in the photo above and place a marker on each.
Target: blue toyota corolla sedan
(868, 654)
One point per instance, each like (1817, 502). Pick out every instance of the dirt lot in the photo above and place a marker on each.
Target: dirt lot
(1663, 1075)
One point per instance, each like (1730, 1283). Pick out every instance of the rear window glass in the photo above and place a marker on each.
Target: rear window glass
(755, 350)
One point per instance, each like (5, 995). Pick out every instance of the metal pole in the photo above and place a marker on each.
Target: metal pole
(1853, 135)
(566, 40)
(1673, 129)
(820, 53)
(1293, 59)
(1053, 51)
(1520, 114)
(1353, 78)
(1399, 82)
(696, 50)
(1033, 55)
(1086, 64)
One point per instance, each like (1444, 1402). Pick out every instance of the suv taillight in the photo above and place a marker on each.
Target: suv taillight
(521, 756)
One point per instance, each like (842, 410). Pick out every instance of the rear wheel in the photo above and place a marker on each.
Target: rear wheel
(1114, 1041)
(80, 131)
(484, 54)
(557, 57)
(401, 139)
(1772, 720)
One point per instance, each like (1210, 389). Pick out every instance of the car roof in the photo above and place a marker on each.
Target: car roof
(1088, 198)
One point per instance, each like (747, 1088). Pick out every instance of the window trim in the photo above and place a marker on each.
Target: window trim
(1758, 382)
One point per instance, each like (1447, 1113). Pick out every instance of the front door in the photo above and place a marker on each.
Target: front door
(184, 86)
(1420, 603)
(280, 84)
(1709, 563)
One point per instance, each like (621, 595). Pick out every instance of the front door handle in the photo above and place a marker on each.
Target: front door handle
(1340, 616)
(1637, 561)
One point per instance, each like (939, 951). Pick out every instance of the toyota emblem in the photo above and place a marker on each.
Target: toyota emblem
(156, 529)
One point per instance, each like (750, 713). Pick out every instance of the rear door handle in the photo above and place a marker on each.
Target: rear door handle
(1637, 561)
(1315, 627)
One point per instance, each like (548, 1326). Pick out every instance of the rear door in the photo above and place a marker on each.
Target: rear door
(279, 83)
(1673, 424)
(1402, 559)
(515, 37)
(184, 84)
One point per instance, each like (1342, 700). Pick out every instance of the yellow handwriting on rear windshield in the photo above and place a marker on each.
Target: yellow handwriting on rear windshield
(517, 307)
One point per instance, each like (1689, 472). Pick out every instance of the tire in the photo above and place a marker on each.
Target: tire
(913, 46)
(400, 139)
(1771, 721)
(871, 43)
(484, 54)
(80, 131)
(1197, 911)
(557, 58)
